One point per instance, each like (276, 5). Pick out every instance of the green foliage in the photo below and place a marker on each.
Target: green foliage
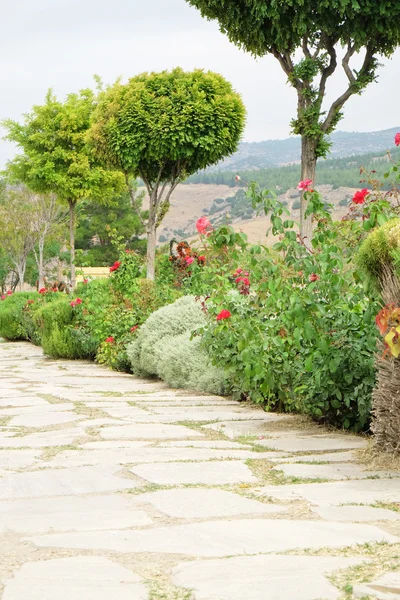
(96, 222)
(306, 37)
(379, 251)
(304, 338)
(54, 154)
(184, 121)
(12, 325)
(56, 321)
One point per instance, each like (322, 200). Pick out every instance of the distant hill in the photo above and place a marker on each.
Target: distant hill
(256, 155)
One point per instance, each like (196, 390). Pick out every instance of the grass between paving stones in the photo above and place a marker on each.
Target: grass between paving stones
(162, 590)
(388, 505)
(4, 421)
(80, 408)
(52, 399)
(262, 469)
(49, 452)
(381, 556)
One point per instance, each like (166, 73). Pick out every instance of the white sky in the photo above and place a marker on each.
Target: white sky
(62, 43)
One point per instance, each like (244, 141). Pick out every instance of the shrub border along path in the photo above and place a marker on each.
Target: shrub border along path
(118, 487)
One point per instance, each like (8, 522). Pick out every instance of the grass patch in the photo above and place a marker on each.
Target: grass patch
(52, 399)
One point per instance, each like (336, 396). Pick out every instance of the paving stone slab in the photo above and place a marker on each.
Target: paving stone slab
(386, 587)
(316, 443)
(363, 491)
(70, 458)
(209, 473)
(197, 503)
(223, 538)
(69, 513)
(44, 420)
(63, 437)
(233, 429)
(115, 444)
(356, 514)
(333, 457)
(205, 444)
(259, 577)
(37, 410)
(16, 400)
(18, 459)
(62, 482)
(80, 577)
(175, 416)
(150, 431)
(337, 471)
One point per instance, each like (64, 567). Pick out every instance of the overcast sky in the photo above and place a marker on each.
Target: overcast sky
(62, 43)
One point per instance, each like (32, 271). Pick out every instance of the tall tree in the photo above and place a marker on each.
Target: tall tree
(54, 156)
(308, 37)
(162, 127)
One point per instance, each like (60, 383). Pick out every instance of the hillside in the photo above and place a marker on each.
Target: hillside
(256, 155)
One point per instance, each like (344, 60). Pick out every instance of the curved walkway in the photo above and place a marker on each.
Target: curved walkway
(118, 488)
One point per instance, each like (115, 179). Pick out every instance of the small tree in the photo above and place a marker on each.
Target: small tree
(162, 127)
(48, 220)
(54, 156)
(305, 36)
(17, 234)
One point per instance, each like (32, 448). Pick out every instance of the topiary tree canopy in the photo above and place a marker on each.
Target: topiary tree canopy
(54, 156)
(309, 38)
(163, 127)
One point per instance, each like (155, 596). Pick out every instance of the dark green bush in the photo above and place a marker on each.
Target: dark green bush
(56, 324)
(12, 324)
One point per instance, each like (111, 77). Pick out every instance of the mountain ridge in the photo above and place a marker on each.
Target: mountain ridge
(270, 153)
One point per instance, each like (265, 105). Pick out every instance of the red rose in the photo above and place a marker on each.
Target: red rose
(359, 197)
(86, 281)
(3, 297)
(78, 300)
(134, 328)
(110, 340)
(42, 291)
(313, 277)
(202, 259)
(397, 139)
(189, 260)
(73, 303)
(202, 225)
(224, 314)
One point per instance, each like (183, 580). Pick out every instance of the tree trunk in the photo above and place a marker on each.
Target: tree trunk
(72, 241)
(40, 265)
(308, 167)
(151, 249)
(21, 275)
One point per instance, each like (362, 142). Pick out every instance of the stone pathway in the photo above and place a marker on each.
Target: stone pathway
(113, 487)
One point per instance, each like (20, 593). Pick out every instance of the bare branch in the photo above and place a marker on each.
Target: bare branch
(329, 69)
(287, 65)
(345, 62)
(351, 90)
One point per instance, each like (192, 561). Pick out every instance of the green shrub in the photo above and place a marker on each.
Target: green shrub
(183, 362)
(379, 251)
(180, 317)
(12, 325)
(55, 321)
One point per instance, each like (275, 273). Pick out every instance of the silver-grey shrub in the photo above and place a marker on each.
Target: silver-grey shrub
(163, 348)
